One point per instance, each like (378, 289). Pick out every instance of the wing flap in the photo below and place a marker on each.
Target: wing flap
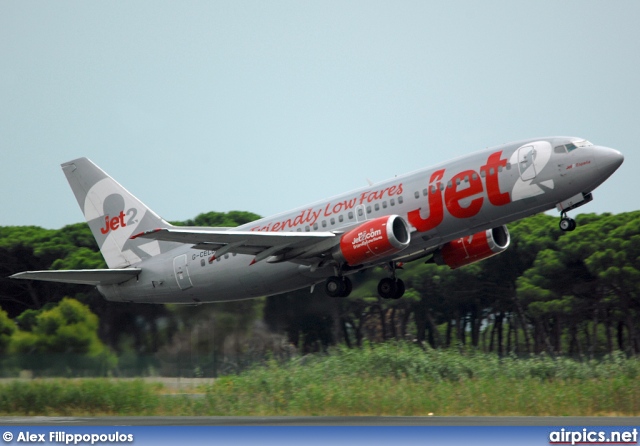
(254, 238)
(81, 276)
(261, 244)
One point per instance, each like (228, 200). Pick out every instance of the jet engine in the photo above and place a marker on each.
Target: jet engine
(473, 248)
(372, 239)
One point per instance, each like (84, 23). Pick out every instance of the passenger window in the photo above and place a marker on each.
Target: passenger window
(425, 192)
(400, 200)
(360, 212)
(307, 229)
(341, 218)
(333, 221)
(417, 194)
(350, 215)
(449, 184)
(368, 209)
(202, 263)
(324, 223)
(377, 206)
(384, 204)
(315, 226)
(392, 202)
(474, 176)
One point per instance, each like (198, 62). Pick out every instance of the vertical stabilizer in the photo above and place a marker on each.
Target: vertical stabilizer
(114, 215)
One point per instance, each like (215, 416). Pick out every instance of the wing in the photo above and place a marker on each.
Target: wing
(82, 276)
(280, 246)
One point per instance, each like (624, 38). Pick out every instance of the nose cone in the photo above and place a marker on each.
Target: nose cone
(608, 160)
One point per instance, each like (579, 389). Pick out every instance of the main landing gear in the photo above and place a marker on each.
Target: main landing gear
(388, 288)
(567, 223)
(391, 288)
(338, 286)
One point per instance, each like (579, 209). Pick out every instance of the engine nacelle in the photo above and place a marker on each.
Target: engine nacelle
(372, 239)
(474, 248)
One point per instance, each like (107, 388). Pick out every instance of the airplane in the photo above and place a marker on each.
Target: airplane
(452, 214)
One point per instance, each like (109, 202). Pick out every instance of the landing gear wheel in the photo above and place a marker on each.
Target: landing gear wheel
(567, 224)
(338, 286)
(390, 288)
(334, 286)
(387, 288)
(348, 286)
(400, 289)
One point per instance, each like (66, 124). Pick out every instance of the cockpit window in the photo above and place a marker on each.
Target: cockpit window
(583, 143)
(571, 146)
(560, 149)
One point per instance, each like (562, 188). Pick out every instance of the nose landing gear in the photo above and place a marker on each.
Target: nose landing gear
(567, 223)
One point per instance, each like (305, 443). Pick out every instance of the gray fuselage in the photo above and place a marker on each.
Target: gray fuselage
(480, 191)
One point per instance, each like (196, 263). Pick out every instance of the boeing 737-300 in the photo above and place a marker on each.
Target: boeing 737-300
(454, 214)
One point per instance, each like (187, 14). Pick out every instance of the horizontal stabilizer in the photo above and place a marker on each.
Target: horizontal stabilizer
(82, 276)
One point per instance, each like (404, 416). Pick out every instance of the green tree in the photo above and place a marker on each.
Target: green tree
(29, 248)
(587, 278)
(222, 219)
(615, 260)
(7, 328)
(67, 334)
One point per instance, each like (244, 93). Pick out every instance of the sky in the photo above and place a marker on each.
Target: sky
(198, 106)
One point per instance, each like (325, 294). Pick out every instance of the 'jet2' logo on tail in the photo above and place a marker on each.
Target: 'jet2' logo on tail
(112, 224)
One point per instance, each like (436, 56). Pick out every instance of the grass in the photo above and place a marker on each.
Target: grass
(355, 396)
(66, 397)
(401, 379)
(389, 379)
